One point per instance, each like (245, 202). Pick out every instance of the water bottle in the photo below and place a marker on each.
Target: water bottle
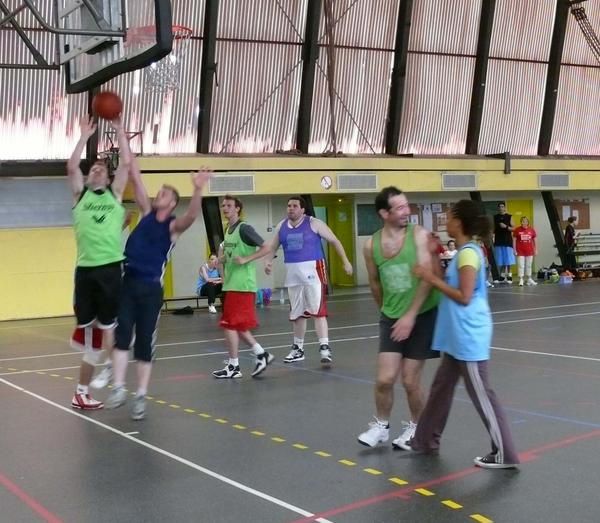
(281, 296)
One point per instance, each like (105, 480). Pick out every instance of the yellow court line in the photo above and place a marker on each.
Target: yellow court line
(149, 397)
(399, 481)
(424, 492)
(71, 378)
(451, 504)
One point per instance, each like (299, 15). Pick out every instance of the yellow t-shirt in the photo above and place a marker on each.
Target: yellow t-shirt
(468, 257)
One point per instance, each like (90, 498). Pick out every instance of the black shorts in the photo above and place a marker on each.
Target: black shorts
(97, 291)
(418, 345)
(139, 311)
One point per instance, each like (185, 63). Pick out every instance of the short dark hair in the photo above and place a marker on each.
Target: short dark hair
(301, 200)
(238, 202)
(472, 217)
(382, 200)
(572, 219)
(174, 191)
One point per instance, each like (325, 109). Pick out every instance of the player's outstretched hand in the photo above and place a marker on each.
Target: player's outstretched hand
(200, 178)
(87, 126)
(117, 123)
(348, 268)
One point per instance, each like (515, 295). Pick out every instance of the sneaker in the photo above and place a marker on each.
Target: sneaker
(212, 309)
(376, 434)
(489, 462)
(138, 408)
(531, 282)
(489, 285)
(262, 360)
(406, 436)
(103, 378)
(521, 282)
(296, 354)
(509, 280)
(325, 353)
(116, 398)
(229, 372)
(85, 402)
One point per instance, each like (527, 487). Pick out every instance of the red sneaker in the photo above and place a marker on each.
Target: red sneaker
(85, 402)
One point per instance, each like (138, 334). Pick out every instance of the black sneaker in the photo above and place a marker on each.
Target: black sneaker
(262, 360)
(325, 353)
(490, 462)
(229, 372)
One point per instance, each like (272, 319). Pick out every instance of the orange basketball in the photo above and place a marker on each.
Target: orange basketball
(107, 105)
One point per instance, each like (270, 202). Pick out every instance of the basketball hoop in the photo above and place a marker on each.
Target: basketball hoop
(165, 75)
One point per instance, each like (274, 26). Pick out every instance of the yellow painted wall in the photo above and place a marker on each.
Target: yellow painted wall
(36, 272)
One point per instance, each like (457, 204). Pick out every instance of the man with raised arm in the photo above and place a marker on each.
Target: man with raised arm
(98, 217)
(146, 255)
(300, 237)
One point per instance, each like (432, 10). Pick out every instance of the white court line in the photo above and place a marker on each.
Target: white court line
(538, 353)
(174, 457)
(183, 356)
(213, 340)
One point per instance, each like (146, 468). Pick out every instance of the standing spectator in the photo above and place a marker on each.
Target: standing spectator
(526, 249)
(463, 332)
(503, 243)
(210, 282)
(570, 242)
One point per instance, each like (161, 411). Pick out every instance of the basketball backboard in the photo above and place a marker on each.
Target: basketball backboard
(90, 60)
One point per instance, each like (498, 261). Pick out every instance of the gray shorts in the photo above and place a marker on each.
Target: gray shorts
(418, 345)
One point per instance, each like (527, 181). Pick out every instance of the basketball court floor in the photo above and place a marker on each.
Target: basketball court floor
(282, 448)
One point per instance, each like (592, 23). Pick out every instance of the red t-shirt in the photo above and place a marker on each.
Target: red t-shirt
(525, 241)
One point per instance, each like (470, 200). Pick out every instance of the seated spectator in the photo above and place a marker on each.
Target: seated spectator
(210, 281)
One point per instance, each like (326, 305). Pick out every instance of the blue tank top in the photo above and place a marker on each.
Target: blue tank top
(148, 249)
(465, 331)
(300, 243)
(212, 273)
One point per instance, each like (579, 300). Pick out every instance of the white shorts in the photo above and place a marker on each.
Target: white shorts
(307, 301)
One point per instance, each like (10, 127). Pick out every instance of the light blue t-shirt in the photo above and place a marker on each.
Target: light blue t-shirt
(465, 331)
(212, 273)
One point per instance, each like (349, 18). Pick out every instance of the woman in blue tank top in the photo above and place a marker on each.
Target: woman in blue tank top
(463, 332)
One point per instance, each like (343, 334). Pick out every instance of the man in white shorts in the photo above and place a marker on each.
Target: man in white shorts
(306, 277)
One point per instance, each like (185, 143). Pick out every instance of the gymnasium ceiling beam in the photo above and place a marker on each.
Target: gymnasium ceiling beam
(553, 76)
(398, 81)
(486, 22)
(310, 55)
(207, 74)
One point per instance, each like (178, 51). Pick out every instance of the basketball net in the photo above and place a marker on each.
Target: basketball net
(165, 75)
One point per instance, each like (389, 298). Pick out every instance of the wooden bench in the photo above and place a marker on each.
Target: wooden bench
(194, 298)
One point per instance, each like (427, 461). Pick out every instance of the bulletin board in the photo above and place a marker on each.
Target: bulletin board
(578, 208)
(440, 213)
(368, 221)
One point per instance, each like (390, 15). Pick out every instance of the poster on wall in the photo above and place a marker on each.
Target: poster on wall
(580, 209)
(440, 213)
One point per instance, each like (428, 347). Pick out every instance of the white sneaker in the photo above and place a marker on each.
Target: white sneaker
(103, 378)
(521, 282)
(377, 433)
(531, 282)
(212, 309)
(407, 434)
(296, 354)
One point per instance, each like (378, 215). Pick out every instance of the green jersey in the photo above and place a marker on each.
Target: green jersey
(98, 219)
(240, 278)
(398, 283)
